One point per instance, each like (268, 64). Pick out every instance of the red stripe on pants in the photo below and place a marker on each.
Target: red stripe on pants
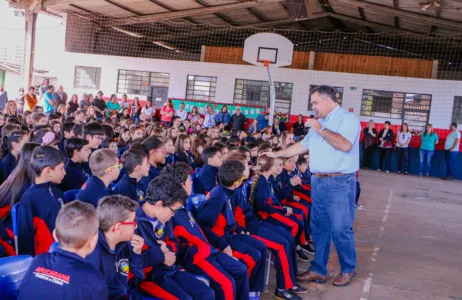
(287, 221)
(222, 280)
(300, 207)
(156, 291)
(248, 260)
(303, 196)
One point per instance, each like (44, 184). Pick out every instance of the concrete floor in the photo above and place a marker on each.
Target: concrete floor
(408, 241)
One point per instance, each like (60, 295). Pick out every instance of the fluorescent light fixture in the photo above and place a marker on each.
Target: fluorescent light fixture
(131, 33)
(165, 45)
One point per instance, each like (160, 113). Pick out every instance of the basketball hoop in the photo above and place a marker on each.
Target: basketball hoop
(266, 63)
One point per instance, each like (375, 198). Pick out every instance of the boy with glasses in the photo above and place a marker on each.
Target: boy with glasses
(105, 167)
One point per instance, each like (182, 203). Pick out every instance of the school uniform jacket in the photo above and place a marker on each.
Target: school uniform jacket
(186, 157)
(151, 230)
(216, 217)
(243, 212)
(207, 179)
(6, 242)
(153, 173)
(7, 165)
(76, 175)
(93, 190)
(288, 190)
(37, 212)
(264, 201)
(121, 268)
(193, 245)
(128, 186)
(62, 275)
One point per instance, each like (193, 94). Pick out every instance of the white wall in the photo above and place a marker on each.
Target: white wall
(442, 91)
(12, 83)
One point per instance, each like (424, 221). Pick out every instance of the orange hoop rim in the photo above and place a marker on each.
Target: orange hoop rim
(265, 62)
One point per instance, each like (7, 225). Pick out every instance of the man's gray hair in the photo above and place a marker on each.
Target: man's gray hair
(325, 92)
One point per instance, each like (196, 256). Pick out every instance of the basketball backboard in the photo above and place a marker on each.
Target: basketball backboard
(270, 47)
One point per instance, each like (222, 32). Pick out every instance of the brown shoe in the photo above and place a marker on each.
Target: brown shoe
(310, 276)
(343, 279)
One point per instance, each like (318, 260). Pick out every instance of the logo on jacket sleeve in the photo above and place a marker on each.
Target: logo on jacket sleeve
(191, 219)
(123, 266)
(159, 231)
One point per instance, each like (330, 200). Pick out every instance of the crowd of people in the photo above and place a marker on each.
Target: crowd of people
(110, 183)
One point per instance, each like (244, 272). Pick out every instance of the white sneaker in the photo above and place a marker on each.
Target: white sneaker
(358, 207)
(387, 171)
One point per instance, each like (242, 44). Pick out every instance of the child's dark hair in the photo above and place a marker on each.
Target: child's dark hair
(180, 142)
(220, 146)
(72, 144)
(301, 160)
(132, 158)
(230, 172)
(243, 149)
(78, 130)
(106, 142)
(252, 145)
(53, 116)
(108, 131)
(151, 143)
(46, 156)
(66, 127)
(7, 141)
(208, 153)
(166, 189)
(180, 171)
(93, 129)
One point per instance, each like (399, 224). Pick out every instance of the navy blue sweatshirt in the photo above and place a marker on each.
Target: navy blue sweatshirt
(62, 275)
(128, 186)
(7, 165)
(186, 157)
(151, 230)
(76, 175)
(216, 217)
(207, 179)
(264, 201)
(37, 212)
(243, 212)
(93, 190)
(153, 173)
(128, 271)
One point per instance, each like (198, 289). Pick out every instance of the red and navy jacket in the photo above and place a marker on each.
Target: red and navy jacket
(7, 165)
(264, 201)
(151, 230)
(37, 212)
(243, 212)
(6, 242)
(144, 183)
(128, 186)
(206, 180)
(193, 244)
(128, 272)
(305, 177)
(216, 217)
(93, 190)
(76, 175)
(186, 157)
(303, 191)
(62, 275)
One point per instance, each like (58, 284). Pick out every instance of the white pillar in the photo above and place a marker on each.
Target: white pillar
(29, 48)
(311, 61)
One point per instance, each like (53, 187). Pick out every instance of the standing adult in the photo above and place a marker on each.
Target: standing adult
(385, 147)
(194, 116)
(333, 144)
(210, 115)
(20, 101)
(60, 96)
(299, 127)
(148, 111)
(124, 103)
(262, 120)
(403, 138)
(451, 147)
(99, 105)
(167, 112)
(427, 149)
(369, 142)
(238, 119)
(42, 90)
(85, 103)
(223, 116)
(72, 105)
(182, 113)
(3, 98)
(136, 110)
(30, 100)
(49, 103)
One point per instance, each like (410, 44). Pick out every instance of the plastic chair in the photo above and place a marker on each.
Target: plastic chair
(12, 271)
(194, 202)
(14, 219)
(70, 195)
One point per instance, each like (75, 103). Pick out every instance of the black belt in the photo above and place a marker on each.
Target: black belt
(324, 175)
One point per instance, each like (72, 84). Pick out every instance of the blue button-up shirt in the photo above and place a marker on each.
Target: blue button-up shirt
(326, 159)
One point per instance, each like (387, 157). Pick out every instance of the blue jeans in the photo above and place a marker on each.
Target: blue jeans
(332, 216)
(450, 162)
(426, 156)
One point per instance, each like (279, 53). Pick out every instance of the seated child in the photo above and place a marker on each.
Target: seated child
(303, 171)
(207, 178)
(216, 218)
(110, 144)
(41, 202)
(11, 146)
(66, 133)
(77, 169)
(136, 166)
(183, 150)
(118, 246)
(105, 167)
(63, 273)
(164, 278)
(227, 276)
(94, 134)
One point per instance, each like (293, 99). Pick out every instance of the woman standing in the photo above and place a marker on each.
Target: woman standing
(136, 110)
(72, 105)
(194, 116)
(299, 127)
(369, 142)
(427, 149)
(223, 116)
(385, 147)
(210, 115)
(167, 113)
(402, 147)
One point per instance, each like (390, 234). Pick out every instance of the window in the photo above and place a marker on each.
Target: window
(139, 82)
(201, 87)
(256, 92)
(457, 110)
(87, 78)
(2, 77)
(410, 108)
(339, 96)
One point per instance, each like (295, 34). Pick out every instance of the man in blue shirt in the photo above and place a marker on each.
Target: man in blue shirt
(49, 103)
(451, 147)
(262, 120)
(333, 144)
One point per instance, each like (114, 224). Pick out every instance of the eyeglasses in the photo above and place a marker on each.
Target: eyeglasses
(99, 138)
(125, 223)
(119, 166)
(240, 180)
(174, 211)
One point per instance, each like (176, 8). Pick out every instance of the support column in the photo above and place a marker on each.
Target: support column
(435, 69)
(29, 48)
(311, 60)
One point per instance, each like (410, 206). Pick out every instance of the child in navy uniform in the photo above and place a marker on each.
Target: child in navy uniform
(135, 163)
(155, 151)
(41, 202)
(183, 150)
(66, 133)
(63, 274)
(164, 278)
(11, 146)
(216, 218)
(207, 178)
(94, 134)
(227, 276)
(118, 246)
(104, 165)
(77, 168)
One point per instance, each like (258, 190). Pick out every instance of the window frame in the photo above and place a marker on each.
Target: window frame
(129, 88)
(97, 80)
(212, 88)
(454, 119)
